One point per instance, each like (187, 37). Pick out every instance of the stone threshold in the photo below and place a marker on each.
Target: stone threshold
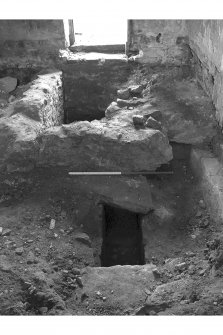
(70, 57)
(102, 48)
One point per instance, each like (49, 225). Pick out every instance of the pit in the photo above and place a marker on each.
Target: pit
(122, 238)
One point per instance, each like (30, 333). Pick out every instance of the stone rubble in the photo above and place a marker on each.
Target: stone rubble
(138, 120)
(123, 94)
(153, 123)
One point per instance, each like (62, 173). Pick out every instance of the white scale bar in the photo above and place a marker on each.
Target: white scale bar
(93, 173)
(105, 173)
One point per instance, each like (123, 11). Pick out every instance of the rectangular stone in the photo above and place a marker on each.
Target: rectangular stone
(132, 194)
(210, 173)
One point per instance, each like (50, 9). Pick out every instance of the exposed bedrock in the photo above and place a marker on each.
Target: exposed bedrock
(104, 145)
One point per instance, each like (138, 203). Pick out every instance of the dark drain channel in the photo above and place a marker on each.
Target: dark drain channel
(122, 238)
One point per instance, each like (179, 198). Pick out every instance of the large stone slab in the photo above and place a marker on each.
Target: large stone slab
(210, 172)
(123, 287)
(187, 112)
(132, 194)
(105, 145)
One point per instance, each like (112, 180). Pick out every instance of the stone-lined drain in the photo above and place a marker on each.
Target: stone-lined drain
(122, 238)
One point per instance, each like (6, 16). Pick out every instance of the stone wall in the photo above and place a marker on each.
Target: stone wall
(158, 41)
(180, 42)
(90, 84)
(30, 43)
(43, 101)
(40, 107)
(206, 43)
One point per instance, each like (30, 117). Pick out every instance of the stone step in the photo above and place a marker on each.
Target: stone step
(123, 286)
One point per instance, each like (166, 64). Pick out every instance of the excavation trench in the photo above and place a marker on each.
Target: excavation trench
(110, 246)
(124, 239)
(88, 242)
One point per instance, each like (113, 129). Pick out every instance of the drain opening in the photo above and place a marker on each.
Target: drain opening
(122, 238)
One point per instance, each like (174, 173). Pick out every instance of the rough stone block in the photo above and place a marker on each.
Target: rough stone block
(154, 124)
(129, 103)
(138, 120)
(123, 94)
(136, 89)
(112, 109)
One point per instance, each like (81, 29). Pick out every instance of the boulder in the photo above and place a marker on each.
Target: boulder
(8, 84)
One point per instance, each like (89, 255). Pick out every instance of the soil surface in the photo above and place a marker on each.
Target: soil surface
(57, 271)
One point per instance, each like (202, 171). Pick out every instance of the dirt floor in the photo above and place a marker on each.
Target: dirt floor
(57, 271)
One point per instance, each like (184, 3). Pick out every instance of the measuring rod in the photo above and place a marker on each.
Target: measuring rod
(105, 173)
